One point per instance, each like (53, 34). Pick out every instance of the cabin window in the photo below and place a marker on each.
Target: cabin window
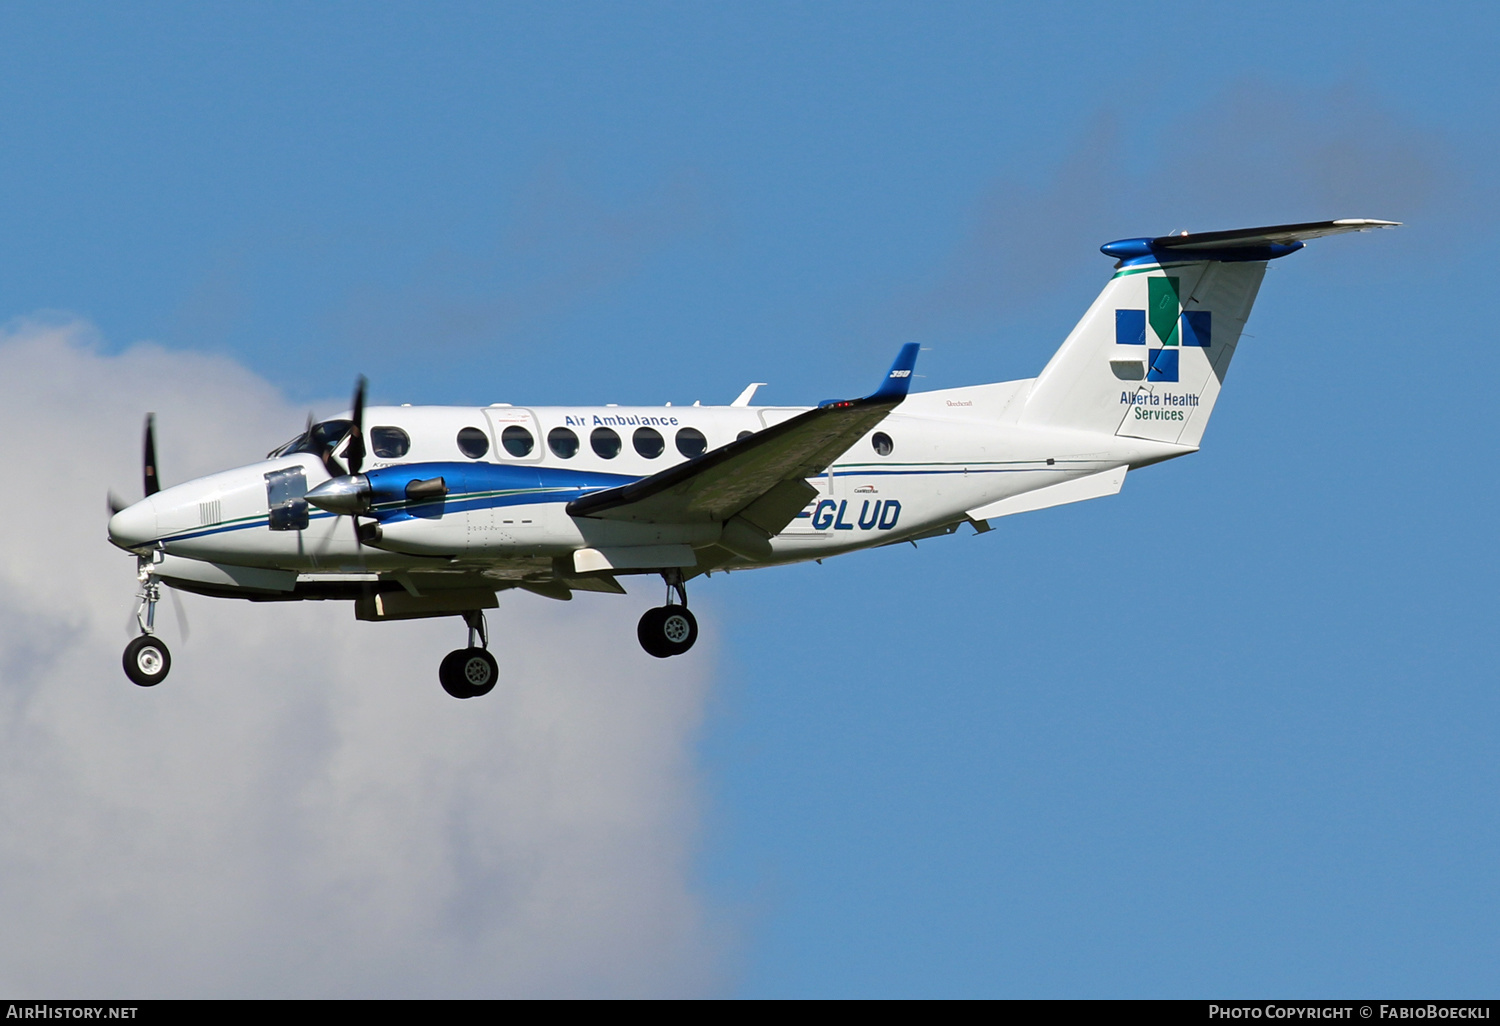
(648, 442)
(605, 442)
(473, 442)
(690, 442)
(563, 442)
(389, 443)
(882, 443)
(517, 441)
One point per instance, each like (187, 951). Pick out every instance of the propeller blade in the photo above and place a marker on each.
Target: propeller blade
(148, 457)
(355, 453)
(116, 504)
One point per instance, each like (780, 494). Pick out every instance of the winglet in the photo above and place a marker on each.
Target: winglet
(896, 383)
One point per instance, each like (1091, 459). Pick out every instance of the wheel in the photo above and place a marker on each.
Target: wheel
(468, 673)
(147, 661)
(648, 632)
(680, 629)
(667, 631)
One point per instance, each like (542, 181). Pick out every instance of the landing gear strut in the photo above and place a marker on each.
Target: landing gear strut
(147, 660)
(668, 630)
(470, 672)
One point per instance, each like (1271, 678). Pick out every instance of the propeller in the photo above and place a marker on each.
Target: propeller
(149, 480)
(148, 457)
(346, 492)
(355, 452)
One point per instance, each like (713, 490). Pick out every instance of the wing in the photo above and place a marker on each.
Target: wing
(762, 478)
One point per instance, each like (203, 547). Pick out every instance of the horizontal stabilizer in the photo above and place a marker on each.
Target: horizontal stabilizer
(1093, 486)
(1240, 243)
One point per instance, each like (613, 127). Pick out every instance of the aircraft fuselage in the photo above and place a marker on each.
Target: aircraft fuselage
(941, 455)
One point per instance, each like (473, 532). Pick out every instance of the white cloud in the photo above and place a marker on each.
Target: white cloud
(299, 809)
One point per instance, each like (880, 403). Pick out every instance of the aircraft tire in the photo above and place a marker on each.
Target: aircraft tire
(468, 672)
(667, 631)
(648, 633)
(147, 661)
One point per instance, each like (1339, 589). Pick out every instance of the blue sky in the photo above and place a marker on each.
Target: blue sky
(1231, 732)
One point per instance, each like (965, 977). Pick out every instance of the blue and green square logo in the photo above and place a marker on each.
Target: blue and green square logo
(1171, 328)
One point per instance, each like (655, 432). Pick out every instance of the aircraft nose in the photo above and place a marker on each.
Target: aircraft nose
(134, 526)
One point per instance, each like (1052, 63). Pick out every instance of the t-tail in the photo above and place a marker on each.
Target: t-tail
(1149, 357)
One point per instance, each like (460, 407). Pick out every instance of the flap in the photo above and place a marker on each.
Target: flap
(632, 557)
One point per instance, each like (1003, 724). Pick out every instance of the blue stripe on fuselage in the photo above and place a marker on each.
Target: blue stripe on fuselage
(523, 485)
(469, 485)
(516, 485)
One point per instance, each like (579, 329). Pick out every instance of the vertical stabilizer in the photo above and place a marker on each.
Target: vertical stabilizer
(1149, 357)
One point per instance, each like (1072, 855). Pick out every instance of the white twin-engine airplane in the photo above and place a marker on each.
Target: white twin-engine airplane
(429, 511)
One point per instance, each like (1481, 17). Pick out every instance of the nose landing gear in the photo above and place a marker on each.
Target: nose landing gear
(472, 671)
(147, 660)
(668, 630)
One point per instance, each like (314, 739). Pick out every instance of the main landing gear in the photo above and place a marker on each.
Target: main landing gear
(147, 660)
(470, 672)
(668, 630)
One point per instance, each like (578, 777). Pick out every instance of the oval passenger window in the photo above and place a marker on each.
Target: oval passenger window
(389, 443)
(473, 442)
(648, 442)
(882, 443)
(690, 442)
(517, 440)
(605, 442)
(562, 442)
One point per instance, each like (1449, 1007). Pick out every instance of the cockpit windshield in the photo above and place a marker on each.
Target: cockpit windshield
(320, 439)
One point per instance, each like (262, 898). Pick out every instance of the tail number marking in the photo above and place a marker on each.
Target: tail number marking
(880, 515)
